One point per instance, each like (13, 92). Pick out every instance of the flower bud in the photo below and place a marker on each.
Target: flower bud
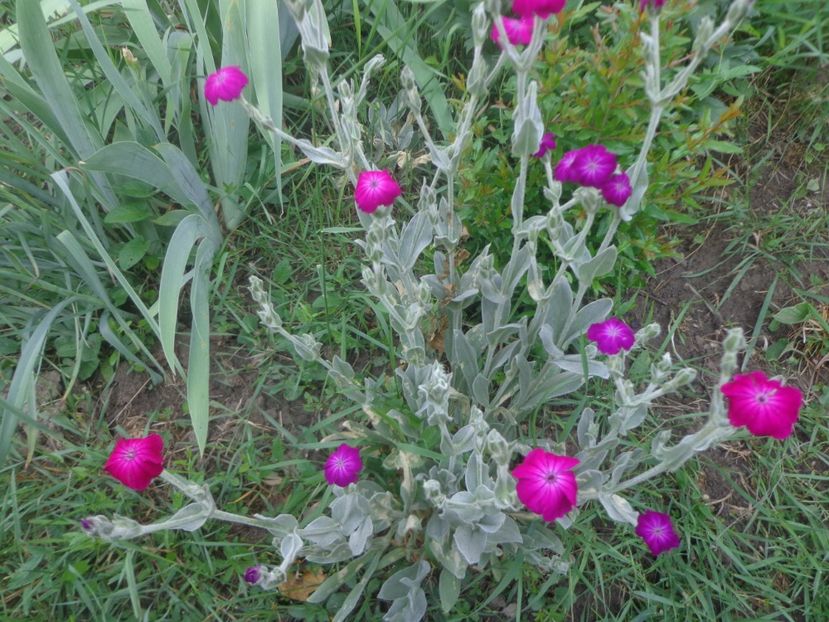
(704, 32)
(652, 5)
(646, 333)
(129, 57)
(407, 81)
(498, 447)
(480, 24)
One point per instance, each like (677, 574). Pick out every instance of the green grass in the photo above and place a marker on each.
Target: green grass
(752, 518)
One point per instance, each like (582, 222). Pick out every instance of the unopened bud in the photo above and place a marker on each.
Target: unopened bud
(480, 24)
(129, 57)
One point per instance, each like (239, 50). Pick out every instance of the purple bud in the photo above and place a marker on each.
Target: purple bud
(656, 5)
(86, 525)
(253, 574)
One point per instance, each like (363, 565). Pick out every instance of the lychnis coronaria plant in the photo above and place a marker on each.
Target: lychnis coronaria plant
(448, 483)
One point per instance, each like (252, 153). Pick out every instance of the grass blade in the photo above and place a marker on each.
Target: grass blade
(264, 53)
(132, 159)
(114, 76)
(23, 379)
(62, 181)
(198, 365)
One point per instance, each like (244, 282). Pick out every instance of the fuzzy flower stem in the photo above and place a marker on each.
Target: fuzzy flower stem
(332, 108)
(495, 70)
(427, 136)
(230, 517)
(266, 122)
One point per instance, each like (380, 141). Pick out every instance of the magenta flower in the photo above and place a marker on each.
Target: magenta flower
(253, 574)
(343, 466)
(617, 190)
(375, 188)
(657, 530)
(548, 143)
(594, 165)
(226, 84)
(656, 5)
(542, 8)
(764, 406)
(519, 31)
(611, 336)
(546, 483)
(135, 462)
(563, 171)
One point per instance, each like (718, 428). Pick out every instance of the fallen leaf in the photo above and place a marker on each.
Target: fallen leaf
(301, 585)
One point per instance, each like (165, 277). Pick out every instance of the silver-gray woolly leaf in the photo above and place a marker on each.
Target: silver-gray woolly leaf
(557, 310)
(409, 609)
(590, 483)
(401, 582)
(591, 313)
(508, 533)
(358, 540)
(626, 462)
(449, 588)
(415, 237)
(585, 434)
(403, 589)
(330, 554)
(322, 531)
(321, 155)
(480, 390)
(307, 347)
(618, 509)
(279, 526)
(634, 417)
(573, 363)
(290, 547)
(464, 359)
(189, 518)
(598, 266)
(470, 543)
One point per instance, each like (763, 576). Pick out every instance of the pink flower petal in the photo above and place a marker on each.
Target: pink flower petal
(548, 143)
(226, 84)
(542, 8)
(617, 190)
(375, 188)
(657, 530)
(546, 483)
(135, 462)
(343, 466)
(764, 406)
(519, 31)
(564, 169)
(611, 336)
(594, 165)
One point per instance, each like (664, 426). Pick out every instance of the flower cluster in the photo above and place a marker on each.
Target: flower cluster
(596, 167)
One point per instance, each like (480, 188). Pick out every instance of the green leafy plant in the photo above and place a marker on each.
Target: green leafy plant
(114, 125)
